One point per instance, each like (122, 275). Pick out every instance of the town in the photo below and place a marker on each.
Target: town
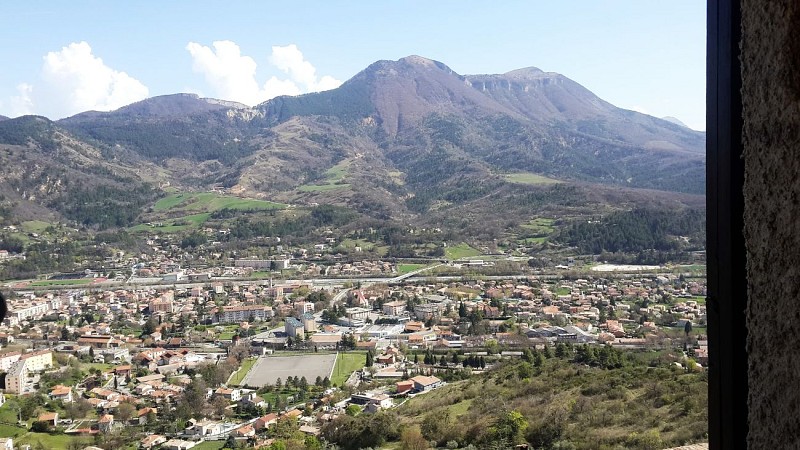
(207, 358)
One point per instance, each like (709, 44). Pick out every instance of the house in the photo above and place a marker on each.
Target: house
(106, 423)
(122, 371)
(62, 393)
(265, 421)
(252, 398)
(6, 444)
(178, 444)
(141, 415)
(232, 395)
(380, 401)
(152, 440)
(423, 383)
(99, 341)
(244, 431)
(293, 414)
(50, 418)
(404, 386)
(203, 428)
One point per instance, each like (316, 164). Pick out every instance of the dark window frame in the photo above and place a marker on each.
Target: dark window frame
(727, 276)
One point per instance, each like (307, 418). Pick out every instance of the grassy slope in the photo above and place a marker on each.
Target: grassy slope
(460, 251)
(211, 201)
(405, 268)
(632, 407)
(334, 179)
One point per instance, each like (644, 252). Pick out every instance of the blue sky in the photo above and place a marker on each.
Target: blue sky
(61, 58)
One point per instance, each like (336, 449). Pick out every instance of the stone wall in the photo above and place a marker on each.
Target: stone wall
(771, 100)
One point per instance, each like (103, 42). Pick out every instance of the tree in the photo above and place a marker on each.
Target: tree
(687, 328)
(303, 384)
(510, 427)
(411, 439)
(124, 412)
(149, 327)
(219, 405)
(370, 359)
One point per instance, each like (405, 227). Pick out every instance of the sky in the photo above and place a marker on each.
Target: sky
(61, 58)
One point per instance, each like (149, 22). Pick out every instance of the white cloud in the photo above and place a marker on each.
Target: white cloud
(232, 76)
(22, 103)
(74, 80)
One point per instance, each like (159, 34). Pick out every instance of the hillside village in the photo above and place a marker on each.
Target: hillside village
(95, 363)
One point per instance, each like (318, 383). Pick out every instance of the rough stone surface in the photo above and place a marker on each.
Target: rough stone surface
(771, 97)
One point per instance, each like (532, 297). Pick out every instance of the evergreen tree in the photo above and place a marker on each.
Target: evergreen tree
(538, 359)
(370, 359)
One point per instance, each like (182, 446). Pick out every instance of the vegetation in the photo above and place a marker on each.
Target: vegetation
(210, 202)
(460, 251)
(346, 364)
(608, 399)
(238, 376)
(637, 231)
(529, 178)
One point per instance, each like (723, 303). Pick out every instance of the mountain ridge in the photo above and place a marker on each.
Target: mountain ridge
(408, 140)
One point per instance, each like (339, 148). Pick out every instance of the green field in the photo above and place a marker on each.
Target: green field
(403, 269)
(461, 250)
(52, 441)
(210, 202)
(239, 375)
(79, 281)
(34, 226)
(529, 178)
(347, 363)
(173, 225)
(334, 179)
(563, 290)
(209, 445)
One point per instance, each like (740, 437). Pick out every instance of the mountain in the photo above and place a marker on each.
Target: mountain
(409, 140)
(3, 117)
(161, 107)
(675, 120)
(50, 174)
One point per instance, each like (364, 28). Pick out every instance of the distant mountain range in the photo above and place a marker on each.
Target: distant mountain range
(407, 140)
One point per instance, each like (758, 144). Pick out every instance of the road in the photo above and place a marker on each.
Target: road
(330, 282)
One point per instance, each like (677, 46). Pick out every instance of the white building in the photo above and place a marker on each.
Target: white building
(234, 314)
